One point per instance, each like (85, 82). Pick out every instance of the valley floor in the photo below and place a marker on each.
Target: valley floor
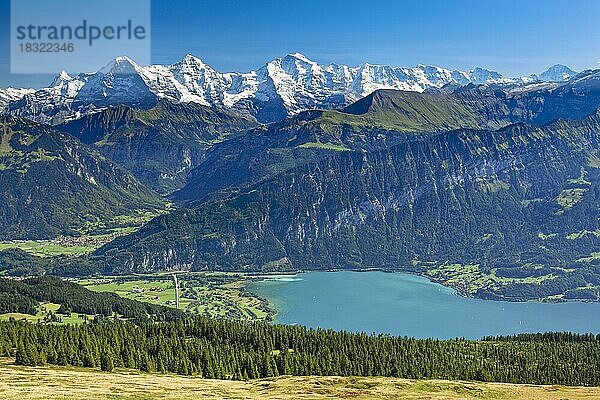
(213, 295)
(85, 384)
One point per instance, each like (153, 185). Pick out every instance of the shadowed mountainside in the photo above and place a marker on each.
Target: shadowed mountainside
(52, 184)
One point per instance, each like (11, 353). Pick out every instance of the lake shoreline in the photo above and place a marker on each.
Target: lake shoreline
(458, 289)
(272, 308)
(410, 305)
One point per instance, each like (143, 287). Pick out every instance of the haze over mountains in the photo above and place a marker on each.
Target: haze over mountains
(282, 87)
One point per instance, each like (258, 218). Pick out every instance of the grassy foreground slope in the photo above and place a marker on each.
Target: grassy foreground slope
(84, 384)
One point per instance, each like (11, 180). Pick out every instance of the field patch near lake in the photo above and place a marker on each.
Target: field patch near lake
(215, 295)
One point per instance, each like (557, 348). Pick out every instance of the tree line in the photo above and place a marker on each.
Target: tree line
(23, 296)
(235, 350)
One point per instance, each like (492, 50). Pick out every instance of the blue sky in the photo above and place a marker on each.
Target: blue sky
(512, 37)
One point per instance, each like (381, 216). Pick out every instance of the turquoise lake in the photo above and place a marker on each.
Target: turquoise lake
(409, 305)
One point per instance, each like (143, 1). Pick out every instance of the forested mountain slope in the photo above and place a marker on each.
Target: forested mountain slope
(160, 145)
(381, 119)
(52, 184)
(520, 197)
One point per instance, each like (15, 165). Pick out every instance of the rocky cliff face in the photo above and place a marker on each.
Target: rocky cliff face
(12, 94)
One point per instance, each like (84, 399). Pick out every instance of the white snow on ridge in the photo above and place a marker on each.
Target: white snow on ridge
(12, 94)
(294, 83)
(557, 73)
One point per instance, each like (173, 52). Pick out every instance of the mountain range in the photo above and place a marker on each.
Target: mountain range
(300, 166)
(513, 202)
(163, 143)
(281, 88)
(11, 94)
(504, 184)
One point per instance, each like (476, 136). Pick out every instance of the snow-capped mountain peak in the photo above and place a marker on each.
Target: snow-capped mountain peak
(191, 63)
(12, 94)
(61, 79)
(192, 68)
(300, 57)
(282, 87)
(190, 58)
(122, 64)
(480, 75)
(557, 73)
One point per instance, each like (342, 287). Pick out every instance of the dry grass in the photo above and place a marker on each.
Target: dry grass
(74, 383)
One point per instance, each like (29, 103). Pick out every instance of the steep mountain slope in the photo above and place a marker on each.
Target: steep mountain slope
(538, 103)
(158, 145)
(12, 94)
(52, 184)
(412, 111)
(282, 87)
(557, 73)
(379, 120)
(519, 198)
(573, 99)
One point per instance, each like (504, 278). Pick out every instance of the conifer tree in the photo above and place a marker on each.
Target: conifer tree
(106, 362)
